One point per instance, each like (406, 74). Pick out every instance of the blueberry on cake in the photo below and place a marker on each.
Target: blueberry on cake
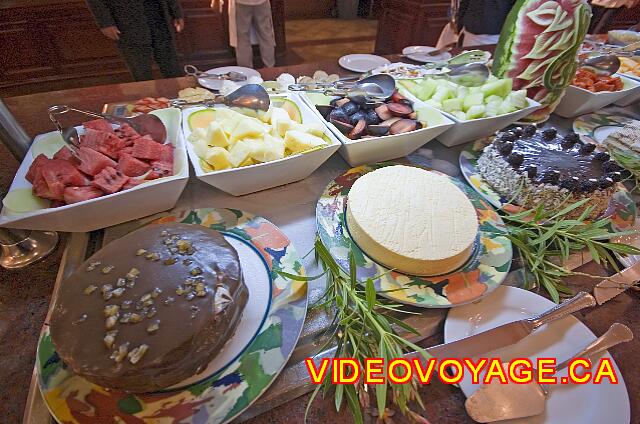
(529, 167)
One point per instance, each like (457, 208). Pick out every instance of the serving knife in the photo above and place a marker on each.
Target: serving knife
(610, 287)
(507, 334)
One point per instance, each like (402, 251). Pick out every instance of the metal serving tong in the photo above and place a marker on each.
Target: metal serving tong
(144, 124)
(374, 88)
(251, 96)
(192, 71)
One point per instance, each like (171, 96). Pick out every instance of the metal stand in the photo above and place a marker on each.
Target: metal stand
(23, 247)
(20, 248)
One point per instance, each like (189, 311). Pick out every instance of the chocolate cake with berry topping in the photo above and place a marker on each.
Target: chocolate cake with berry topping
(150, 309)
(530, 167)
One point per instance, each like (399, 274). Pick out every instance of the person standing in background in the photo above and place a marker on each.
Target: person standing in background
(249, 19)
(481, 20)
(143, 32)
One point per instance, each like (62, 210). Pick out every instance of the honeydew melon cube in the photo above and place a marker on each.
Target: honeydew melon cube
(462, 91)
(443, 93)
(434, 103)
(506, 107)
(219, 158)
(491, 109)
(501, 87)
(198, 134)
(494, 99)
(201, 148)
(269, 149)
(518, 99)
(426, 89)
(248, 128)
(298, 141)
(450, 105)
(216, 136)
(476, 111)
(228, 119)
(429, 116)
(240, 152)
(460, 115)
(409, 85)
(470, 100)
(314, 128)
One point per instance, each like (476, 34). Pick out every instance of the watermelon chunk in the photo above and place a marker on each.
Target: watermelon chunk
(110, 180)
(131, 166)
(80, 194)
(36, 167)
(55, 175)
(167, 153)
(106, 143)
(127, 133)
(99, 125)
(92, 162)
(146, 148)
(65, 154)
(160, 169)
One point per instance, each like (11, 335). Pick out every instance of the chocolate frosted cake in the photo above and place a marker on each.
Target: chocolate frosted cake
(532, 167)
(151, 308)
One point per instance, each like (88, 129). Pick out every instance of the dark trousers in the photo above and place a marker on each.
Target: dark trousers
(140, 57)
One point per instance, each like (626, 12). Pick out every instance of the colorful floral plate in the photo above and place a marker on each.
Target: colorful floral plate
(483, 272)
(622, 208)
(221, 397)
(595, 127)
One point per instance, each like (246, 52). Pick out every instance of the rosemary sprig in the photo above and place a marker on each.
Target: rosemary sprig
(365, 328)
(546, 240)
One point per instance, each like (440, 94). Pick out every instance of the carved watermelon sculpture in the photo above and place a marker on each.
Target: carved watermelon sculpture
(538, 46)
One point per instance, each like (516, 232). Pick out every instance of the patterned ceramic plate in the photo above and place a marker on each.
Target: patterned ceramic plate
(221, 397)
(595, 127)
(622, 208)
(483, 272)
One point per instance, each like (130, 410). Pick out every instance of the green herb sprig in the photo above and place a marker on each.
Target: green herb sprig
(364, 328)
(630, 161)
(547, 239)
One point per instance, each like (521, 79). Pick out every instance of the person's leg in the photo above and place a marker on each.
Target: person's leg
(244, 53)
(164, 53)
(138, 60)
(264, 30)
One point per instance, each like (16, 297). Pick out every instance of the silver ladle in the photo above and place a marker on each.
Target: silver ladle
(143, 124)
(250, 96)
(497, 402)
(603, 65)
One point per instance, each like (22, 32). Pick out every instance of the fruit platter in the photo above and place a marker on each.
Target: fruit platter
(117, 176)
(380, 131)
(246, 151)
(476, 111)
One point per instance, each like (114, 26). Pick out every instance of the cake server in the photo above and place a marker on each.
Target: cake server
(497, 401)
(507, 334)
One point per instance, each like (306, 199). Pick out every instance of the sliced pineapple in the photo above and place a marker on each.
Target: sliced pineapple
(298, 141)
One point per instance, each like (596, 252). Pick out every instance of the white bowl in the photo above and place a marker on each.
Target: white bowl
(379, 149)
(252, 178)
(470, 130)
(89, 215)
(633, 96)
(578, 101)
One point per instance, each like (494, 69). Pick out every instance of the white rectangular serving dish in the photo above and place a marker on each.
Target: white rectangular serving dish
(470, 130)
(252, 178)
(379, 149)
(89, 215)
(578, 101)
(632, 97)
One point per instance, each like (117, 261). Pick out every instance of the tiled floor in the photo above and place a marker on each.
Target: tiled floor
(322, 39)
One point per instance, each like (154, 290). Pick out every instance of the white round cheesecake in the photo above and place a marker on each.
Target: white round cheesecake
(415, 221)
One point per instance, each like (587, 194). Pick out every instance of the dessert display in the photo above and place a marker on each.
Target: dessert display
(149, 104)
(411, 220)
(494, 98)
(109, 160)
(588, 80)
(629, 66)
(538, 48)
(151, 308)
(533, 167)
(364, 120)
(224, 138)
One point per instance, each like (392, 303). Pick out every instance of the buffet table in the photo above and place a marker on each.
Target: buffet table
(25, 294)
